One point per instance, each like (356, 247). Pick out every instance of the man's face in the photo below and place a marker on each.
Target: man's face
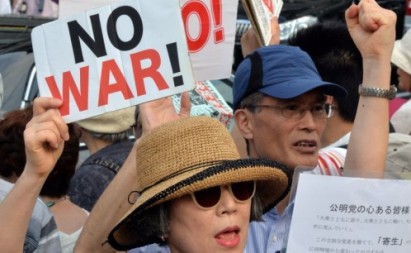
(293, 141)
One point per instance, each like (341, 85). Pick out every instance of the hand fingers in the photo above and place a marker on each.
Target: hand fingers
(249, 42)
(372, 16)
(42, 104)
(53, 117)
(185, 108)
(39, 134)
(351, 16)
(275, 32)
(369, 16)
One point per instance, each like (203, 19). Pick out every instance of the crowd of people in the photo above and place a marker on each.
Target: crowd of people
(187, 184)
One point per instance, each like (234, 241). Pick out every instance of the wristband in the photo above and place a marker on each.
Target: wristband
(377, 92)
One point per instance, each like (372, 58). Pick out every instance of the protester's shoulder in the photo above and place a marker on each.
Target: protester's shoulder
(40, 213)
(117, 150)
(5, 187)
(118, 147)
(331, 161)
(398, 157)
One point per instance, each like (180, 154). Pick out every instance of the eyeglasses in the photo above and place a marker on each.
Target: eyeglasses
(297, 111)
(210, 197)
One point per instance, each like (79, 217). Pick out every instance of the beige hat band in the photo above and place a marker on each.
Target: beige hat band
(224, 173)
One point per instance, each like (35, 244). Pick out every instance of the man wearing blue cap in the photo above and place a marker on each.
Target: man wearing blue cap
(284, 124)
(281, 111)
(282, 80)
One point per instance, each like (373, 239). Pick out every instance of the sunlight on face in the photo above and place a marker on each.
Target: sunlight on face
(222, 228)
(291, 142)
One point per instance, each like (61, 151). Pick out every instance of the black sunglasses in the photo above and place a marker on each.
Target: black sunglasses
(210, 197)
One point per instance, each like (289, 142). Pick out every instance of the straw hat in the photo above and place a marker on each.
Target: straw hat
(188, 155)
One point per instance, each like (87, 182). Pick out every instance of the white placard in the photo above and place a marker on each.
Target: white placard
(113, 57)
(210, 27)
(343, 214)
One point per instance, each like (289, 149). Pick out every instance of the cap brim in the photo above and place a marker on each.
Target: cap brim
(295, 88)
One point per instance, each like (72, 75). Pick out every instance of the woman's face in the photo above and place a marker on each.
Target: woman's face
(404, 80)
(222, 228)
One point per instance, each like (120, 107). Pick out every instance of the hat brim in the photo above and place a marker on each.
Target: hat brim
(295, 88)
(273, 184)
(399, 59)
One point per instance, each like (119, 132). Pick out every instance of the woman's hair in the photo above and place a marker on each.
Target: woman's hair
(155, 220)
(13, 156)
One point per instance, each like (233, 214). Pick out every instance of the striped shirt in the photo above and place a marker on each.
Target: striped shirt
(42, 235)
(271, 234)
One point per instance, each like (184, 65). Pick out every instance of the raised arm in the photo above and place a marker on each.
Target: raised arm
(249, 40)
(113, 203)
(44, 141)
(373, 31)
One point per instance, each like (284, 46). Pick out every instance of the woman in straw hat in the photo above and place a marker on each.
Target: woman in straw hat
(195, 193)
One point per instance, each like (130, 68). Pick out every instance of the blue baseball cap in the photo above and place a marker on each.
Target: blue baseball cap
(280, 71)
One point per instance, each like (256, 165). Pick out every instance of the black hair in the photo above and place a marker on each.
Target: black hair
(337, 59)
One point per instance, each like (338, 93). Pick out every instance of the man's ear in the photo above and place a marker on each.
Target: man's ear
(243, 121)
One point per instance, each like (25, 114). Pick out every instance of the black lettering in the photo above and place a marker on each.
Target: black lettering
(96, 45)
(112, 29)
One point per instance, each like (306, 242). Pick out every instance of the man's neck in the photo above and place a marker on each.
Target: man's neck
(93, 144)
(336, 128)
(282, 205)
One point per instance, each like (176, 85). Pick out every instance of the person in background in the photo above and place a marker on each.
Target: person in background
(203, 200)
(28, 7)
(68, 216)
(373, 31)
(278, 117)
(30, 225)
(107, 139)
(401, 57)
(337, 60)
(50, 8)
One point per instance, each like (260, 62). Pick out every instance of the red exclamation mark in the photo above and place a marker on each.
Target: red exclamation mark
(175, 65)
(217, 15)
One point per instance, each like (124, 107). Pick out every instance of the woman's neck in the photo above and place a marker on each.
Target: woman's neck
(52, 201)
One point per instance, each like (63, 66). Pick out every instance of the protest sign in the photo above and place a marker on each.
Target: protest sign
(260, 13)
(210, 32)
(206, 100)
(344, 214)
(112, 57)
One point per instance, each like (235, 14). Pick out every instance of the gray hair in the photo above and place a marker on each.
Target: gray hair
(251, 100)
(112, 137)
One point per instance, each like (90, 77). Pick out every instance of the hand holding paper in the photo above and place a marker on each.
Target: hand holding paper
(260, 14)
